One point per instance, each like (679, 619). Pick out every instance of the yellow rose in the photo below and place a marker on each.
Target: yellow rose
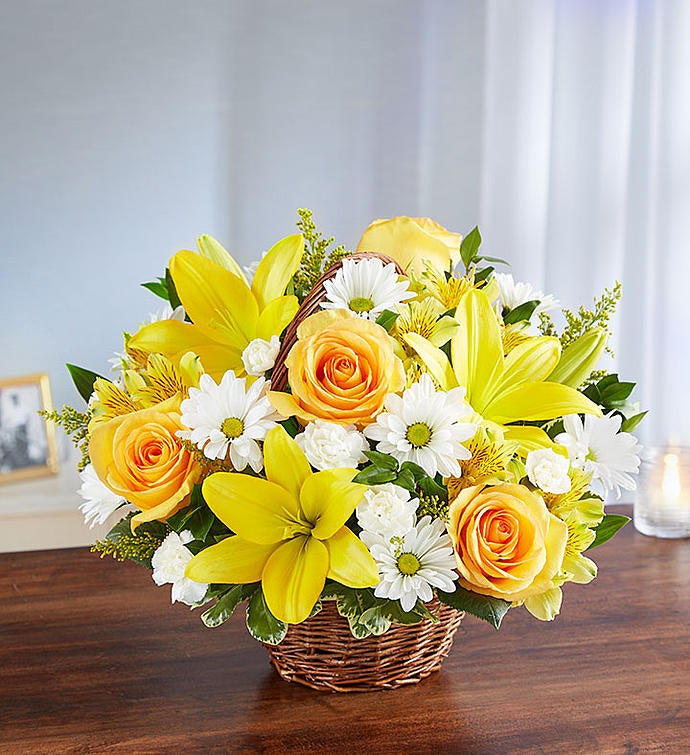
(139, 456)
(340, 369)
(507, 543)
(410, 241)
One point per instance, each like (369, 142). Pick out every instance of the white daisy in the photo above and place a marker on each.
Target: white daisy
(366, 287)
(387, 510)
(513, 293)
(330, 446)
(99, 501)
(169, 562)
(598, 447)
(409, 566)
(166, 313)
(224, 418)
(424, 426)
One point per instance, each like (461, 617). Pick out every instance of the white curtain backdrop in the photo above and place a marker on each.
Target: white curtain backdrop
(585, 172)
(561, 127)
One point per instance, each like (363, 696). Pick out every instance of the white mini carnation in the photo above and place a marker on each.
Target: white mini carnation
(260, 355)
(330, 446)
(387, 510)
(548, 470)
(169, 562)
(99, 501)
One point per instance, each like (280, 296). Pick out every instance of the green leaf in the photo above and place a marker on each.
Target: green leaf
(491, 259)
(382, 461)
(522, 312)
(372, 475)
(607, 528)
(261, 623)
(173, 298)
(159, 288)
(470, 246)
(352, 604)
(226, 604)
(83, 380)
(406, 480)
(483, 274)
(387, 319)
(629, 424)
(482, 606)
(376, 620)
(291, 425)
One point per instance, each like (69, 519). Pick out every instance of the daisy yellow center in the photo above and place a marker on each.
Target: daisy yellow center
(361, 304)
(408, 564)
(232, 427)
(418, 434)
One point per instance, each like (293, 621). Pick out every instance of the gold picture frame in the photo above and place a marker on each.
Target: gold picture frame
(28, 444)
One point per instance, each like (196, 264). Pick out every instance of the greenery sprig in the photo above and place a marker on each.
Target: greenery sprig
(317, 258)
(76, 425)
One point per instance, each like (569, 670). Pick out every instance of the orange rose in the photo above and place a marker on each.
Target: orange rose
(507, 543)
(139, 457)
(340, 369)
(410, 241)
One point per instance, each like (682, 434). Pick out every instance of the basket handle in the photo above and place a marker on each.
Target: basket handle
(311, 305)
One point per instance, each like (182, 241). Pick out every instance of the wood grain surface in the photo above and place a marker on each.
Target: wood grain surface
(93, 658)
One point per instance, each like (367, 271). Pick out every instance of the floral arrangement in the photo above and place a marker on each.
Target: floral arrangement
(434, 438)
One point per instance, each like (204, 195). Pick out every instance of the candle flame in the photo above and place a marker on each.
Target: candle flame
(670, 483)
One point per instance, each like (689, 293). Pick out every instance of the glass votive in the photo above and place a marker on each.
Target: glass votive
(662, 498)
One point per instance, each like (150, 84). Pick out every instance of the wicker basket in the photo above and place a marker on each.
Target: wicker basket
(321, 652)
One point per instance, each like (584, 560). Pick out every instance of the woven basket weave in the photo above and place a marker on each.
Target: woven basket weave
(321, 652)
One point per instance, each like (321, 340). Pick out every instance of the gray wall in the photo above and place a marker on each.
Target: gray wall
(129, 128)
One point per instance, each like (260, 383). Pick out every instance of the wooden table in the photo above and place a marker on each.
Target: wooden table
(94, 659)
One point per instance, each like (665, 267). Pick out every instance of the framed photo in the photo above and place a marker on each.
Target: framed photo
(28, 445)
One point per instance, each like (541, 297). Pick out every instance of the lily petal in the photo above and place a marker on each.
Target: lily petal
(219, 303)
(530, 361)
(276, 268)
(530, 438)
(276, 316)
(256, 509)
(293, 578)
(285, 462)
(435, 360)
(351, 564)
(476, 349)
(233, 561)
(215, 251)
(538, 401)
(328, 499)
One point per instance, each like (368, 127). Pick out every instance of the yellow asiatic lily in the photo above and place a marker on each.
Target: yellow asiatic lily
(502, 389)
(226, 313)
(291, 532)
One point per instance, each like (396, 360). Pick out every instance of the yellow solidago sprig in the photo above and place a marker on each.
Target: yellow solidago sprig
(122, 544)
(317, 258)
(290, 531)
(76, 425)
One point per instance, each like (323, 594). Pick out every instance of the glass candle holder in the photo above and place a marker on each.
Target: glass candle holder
(662, 498)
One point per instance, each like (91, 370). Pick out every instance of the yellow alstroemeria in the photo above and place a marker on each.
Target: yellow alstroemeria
(291, 532)
(226, 313)
(502, 389)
